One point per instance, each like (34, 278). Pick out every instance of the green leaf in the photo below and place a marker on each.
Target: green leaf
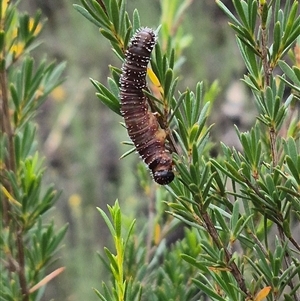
(130, 229)
(108, 35)
(252, 15)
(191, 260)
(87, 15)
(293, 168)
(112, 260)
(178, 105)
(114, 87)
(183, 135)
(122, 13)
(207, 290)
(229, 171)
(264, 14)
(292, 37)
(290, 22)
(15, 96)
(100, 295)
(168, 81)
(249, 59)
(228, 13)
(107, 221)
(136, 20)
(277, 42)
(108, 98)
(221, 220)
(2, 39)
(240, 11)
(117, 222)
(114, 14)
(289, 72)
(235, 215)
(127, 38)
(157, 64)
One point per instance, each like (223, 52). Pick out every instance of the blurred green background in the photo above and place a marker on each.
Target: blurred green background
(80, 138)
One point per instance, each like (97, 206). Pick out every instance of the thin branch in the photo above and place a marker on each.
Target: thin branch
(264, 50)
(287, 259)
(257, 241)
(294, 242)
(6, 129)
(21, 261)
(151, 221)
(274, 155)
(228, 256)
(10, 165)
(267, 79)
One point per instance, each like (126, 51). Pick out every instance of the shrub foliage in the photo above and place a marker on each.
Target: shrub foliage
(28, 243)
(242, 208)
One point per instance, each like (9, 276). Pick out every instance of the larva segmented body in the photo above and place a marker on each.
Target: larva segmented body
(142, 126)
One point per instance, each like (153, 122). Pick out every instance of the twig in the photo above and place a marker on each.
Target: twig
(228, 257)
(264, 50)
(287, 260)
(273, 146)
(267, 79)
(6, 128)
(151, 214)
(21, 261)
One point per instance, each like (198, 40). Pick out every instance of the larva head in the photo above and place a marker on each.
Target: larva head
(163, 177)
(162, 169)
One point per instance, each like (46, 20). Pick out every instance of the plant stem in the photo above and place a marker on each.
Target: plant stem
(21, 261)
(264, 49)
(228, 257)
(267, 79)
(273, 146)
(287, 260)
(7, 129)
(150, 233)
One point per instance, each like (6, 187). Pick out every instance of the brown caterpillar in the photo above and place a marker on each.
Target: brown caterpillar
(142, 126)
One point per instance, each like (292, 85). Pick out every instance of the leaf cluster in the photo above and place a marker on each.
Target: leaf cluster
(237, 201)
(27, 243)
